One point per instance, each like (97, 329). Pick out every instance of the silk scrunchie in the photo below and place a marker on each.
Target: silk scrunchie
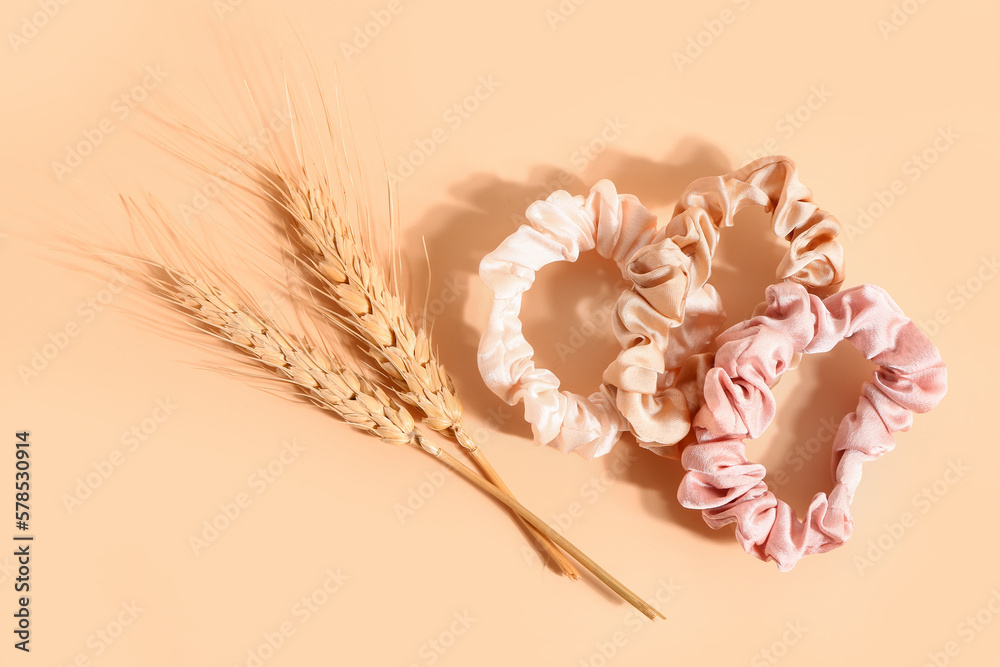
(814, 258)
(620, 228)
(739, 405)
(668, 318)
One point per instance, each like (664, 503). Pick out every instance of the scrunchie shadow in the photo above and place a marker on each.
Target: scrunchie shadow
(487, 210)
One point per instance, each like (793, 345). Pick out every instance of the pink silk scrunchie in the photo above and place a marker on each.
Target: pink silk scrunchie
(664, 322)
(814, 258)
(739, 405)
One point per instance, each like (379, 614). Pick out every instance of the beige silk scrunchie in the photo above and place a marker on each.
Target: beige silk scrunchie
(663, 321)
(815, 259)
(560, 227)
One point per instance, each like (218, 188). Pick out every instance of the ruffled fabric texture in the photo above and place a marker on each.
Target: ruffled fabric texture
(814, 258)
(620, 228)
(665, 322)
(739, 405)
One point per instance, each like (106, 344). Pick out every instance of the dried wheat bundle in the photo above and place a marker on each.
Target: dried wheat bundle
(294, 191)
(311, 369)
(330, 247)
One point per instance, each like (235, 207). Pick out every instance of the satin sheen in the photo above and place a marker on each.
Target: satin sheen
(665, 322)
(739, 405)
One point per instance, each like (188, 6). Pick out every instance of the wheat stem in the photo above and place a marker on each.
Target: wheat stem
(331, 385)
(330, 247)
(619, 588)
(556, 554)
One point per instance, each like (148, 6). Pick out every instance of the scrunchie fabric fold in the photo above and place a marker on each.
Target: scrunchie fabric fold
(664, 322)
(620, 228)
(814, 258)
(739, 405)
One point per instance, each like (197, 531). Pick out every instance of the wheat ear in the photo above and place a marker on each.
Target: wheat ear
(331, 249)
(331, 385)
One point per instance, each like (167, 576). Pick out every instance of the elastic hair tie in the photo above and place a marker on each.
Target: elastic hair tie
(739, 405)
(668, 317)
(620, 228)
(814, 258)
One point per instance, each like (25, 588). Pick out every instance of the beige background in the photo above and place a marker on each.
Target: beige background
(852, 91)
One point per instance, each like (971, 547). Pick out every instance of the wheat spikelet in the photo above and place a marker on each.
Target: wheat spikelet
(320, 376)
(342, 267)
(332, 247)
(333, 250)
(331, 385)
(340, 259)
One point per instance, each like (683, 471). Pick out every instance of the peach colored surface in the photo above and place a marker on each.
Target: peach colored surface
(347, 552)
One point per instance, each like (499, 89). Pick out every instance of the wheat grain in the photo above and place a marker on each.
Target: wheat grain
(333, 250)
(342, 267)
(323, 379)
(317, 374)
(347, 269)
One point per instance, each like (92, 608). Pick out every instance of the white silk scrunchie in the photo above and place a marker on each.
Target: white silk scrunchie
(620, 228)
(665, 321)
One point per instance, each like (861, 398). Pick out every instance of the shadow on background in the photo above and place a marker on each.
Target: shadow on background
(800, 446)
(486, 210)
(567, 298)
